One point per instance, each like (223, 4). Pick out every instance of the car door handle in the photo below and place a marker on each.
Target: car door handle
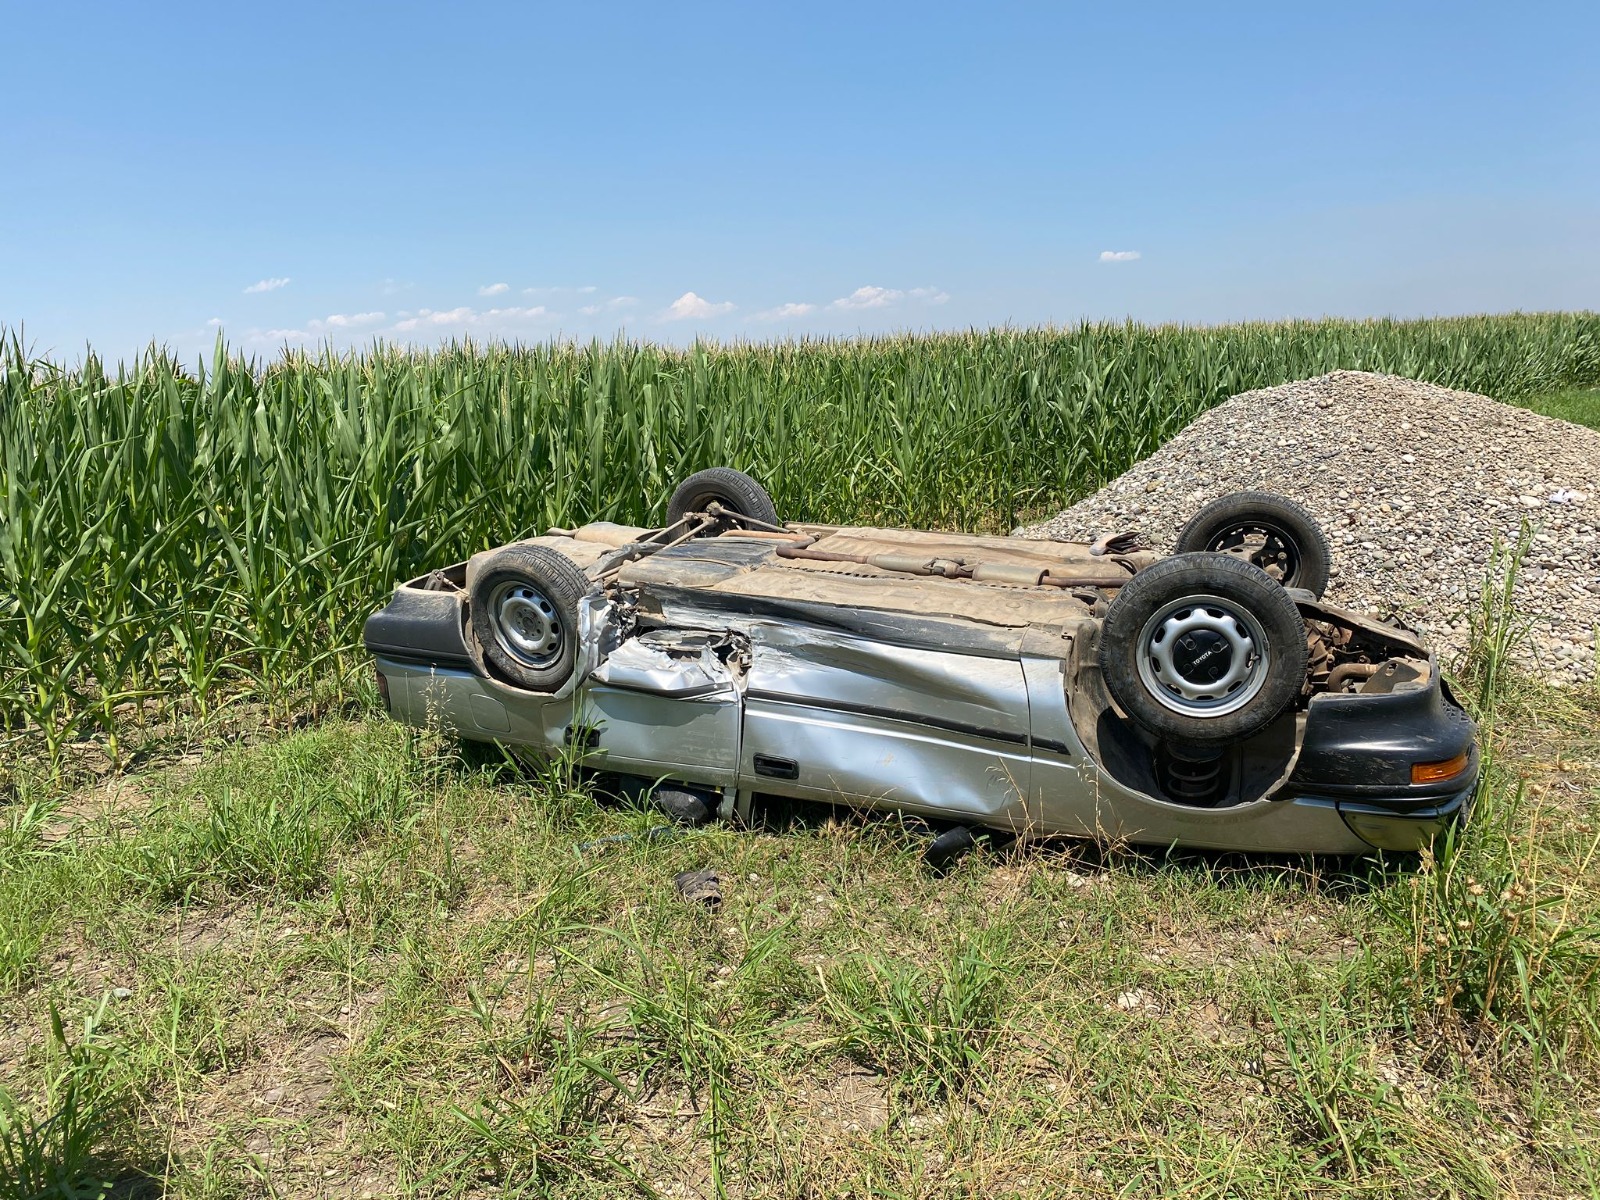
(776, 768)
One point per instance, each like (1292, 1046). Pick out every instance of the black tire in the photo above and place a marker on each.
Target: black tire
(734, 490)
(1293, 549)
(1204, 649)
(950, 847)
(685, 806)
(524, 615)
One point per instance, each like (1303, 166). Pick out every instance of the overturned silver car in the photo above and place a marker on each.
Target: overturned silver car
(1206, 698)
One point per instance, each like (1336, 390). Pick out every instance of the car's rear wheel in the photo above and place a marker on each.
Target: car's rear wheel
(1268, 530)
(524, 615)
(735, 491)
(1204, 649)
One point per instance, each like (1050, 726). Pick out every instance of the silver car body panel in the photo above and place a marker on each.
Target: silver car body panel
(823, 715)
(887, 726)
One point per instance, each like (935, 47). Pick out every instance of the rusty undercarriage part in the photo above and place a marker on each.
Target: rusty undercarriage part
(1266, 550)
(1014, 574)
(1345, 672)
(1348, 653)
(716, 510)
(1319, 660)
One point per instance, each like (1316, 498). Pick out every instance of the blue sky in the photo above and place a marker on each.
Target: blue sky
(416, 172)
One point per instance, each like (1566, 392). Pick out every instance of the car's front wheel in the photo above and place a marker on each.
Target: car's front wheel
(1204, 649)
(523, 610)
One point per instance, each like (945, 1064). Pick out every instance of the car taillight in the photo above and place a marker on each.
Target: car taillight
(383, 688)
(1434, 772)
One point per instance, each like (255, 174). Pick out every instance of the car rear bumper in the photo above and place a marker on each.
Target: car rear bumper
(1384, 827)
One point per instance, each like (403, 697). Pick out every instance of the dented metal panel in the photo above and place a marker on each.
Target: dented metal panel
(695, 739)
(829, 755)
(1059, 801)
(666, 703)
(976, 693)
(829, 716)
(463, 702)
(666, 662)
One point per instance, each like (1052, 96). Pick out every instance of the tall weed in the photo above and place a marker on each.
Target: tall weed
(1494, 932)
(53, 1146)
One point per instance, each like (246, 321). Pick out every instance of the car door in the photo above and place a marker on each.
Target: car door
(664, 705)
(835, 717)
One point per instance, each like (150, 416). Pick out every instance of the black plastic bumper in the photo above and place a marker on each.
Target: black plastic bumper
(1412, 830)
(1357, 755)
(421, 627)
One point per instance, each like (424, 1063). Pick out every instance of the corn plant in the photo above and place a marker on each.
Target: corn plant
(184, 536)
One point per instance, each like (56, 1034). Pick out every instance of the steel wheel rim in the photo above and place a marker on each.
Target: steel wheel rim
(1203, 656)
(1278, 555)
(526, 625)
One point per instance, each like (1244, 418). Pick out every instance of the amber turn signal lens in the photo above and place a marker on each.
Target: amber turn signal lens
(1435, 771)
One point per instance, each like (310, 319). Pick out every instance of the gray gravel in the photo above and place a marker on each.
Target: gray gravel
(1413, 484)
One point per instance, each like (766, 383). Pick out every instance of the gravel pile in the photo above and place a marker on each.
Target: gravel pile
(1413, 484)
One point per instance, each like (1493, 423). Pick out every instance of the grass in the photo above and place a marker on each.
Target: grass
(1580, 405)
(177, 538)
(345, 960)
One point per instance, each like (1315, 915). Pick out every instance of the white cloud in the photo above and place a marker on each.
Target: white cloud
(266, 285)
(214, 323)
(346, 320)
(464, 317)
(868, 297)
(786, 312)
(611, 305)
(537, 312)
(877, 297)
(494, 289)
(688, 307)
(1118, 255)
(555, 288)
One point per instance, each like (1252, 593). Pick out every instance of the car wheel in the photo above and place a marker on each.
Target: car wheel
(524, 614)
(1271, 531)
(1203, 648)
(734, 490)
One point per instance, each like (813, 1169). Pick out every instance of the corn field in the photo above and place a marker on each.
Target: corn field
(190, 536)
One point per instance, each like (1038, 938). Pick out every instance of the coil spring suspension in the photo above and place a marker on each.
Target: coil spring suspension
(1191, 775)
